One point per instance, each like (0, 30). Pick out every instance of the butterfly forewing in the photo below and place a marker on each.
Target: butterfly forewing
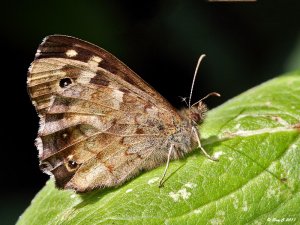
(59, 55)
(100, 123)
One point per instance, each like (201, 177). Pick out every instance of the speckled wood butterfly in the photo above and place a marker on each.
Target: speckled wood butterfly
(100, 123)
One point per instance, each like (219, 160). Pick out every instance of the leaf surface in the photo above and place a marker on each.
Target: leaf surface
(256, 180)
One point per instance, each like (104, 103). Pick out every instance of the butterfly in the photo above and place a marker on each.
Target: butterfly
(100, 123)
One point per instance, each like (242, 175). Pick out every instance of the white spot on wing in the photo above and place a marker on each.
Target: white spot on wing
(85, 77)
(38, 52)
(94, 61)
(128, 190)
(153, 180)
(71, 53)
(118, 98)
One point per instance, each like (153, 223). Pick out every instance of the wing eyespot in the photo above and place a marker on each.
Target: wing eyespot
(65, 82)
(71, 164)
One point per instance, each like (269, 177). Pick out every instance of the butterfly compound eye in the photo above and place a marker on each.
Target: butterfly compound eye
(65, 82)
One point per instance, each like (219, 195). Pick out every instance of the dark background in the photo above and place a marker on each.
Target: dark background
(245, 43)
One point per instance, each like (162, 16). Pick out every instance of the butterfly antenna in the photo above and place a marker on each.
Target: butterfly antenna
(194, 78)
(210, 94)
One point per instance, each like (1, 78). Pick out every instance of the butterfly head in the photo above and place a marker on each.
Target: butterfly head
(197, 113)
(198, 110)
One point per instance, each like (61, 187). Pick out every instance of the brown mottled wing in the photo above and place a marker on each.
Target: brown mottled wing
(100, 123)
(52, 63)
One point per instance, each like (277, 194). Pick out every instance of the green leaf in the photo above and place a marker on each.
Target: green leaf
(255, 181)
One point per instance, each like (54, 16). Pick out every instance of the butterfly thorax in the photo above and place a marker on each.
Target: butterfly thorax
(183, 140)
(186, 137)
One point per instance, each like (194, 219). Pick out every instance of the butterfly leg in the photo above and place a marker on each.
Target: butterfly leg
(200, 146)
(167, 165)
